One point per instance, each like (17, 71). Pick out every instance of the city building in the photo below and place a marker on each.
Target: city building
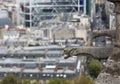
(88, 7)
(29, 63)
(5, 23)
(9, 6)
(111, 16)
(33, 11)
(112, 21)
(98, 14)
(100, 1)
(3, 13)
(10, 33)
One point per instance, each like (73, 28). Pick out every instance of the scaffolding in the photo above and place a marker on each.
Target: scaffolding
(36, 10)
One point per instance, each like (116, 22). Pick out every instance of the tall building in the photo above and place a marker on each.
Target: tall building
(111, 16)
(98, 8)
(34, 11)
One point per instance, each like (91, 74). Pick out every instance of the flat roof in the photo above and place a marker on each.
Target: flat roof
(37, 60)
(36, 70)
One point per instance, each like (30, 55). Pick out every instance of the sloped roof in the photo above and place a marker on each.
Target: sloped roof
(6, 21)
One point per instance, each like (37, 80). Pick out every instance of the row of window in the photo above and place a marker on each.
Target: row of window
(38, 75)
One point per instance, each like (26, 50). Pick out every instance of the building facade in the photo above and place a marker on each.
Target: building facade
(33, 11)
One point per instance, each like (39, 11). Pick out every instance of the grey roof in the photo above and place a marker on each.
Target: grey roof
(5, 21)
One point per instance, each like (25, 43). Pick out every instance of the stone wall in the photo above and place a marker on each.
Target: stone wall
(111, 73)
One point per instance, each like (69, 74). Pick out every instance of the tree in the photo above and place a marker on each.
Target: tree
(95, 68)
(83, 80)
(36, 82)
(86, 80)
(10, 79)
(58, 81)
(76, 80)
(26, 81)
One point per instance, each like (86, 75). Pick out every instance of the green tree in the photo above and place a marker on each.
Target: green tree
(26, 81)
(76, 80)
(86, 80)
(82, 80)
(35, 82)
(10, 79)
(95, 68)
(58, 81)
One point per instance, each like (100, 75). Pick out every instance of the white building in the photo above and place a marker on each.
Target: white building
(81, 33)
(83, 27)
(83, 19)
(10, 34)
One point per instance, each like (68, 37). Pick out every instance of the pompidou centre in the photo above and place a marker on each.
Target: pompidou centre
(36, 10)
